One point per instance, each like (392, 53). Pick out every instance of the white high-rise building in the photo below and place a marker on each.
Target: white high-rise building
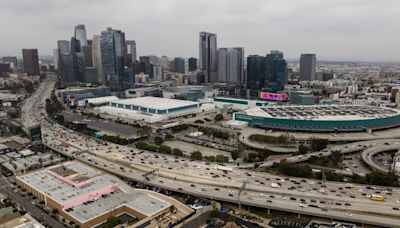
(231, 65)
(208, 56)
(56, 58)
(96, 55)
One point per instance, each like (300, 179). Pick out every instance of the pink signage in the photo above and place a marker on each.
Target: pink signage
(273, 96)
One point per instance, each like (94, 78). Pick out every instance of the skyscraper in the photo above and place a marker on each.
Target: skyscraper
(275, 71)
(179, 65)
(80, 34)
(96, 56)
(230, 65)
(56, 58)
(131, 51)
(192, 64)
(266, 73)
(64, 46)
(30, 61)
(255, 72)
(208, 56)
(65, 60)
(78, 60)
(112, 53)
(87, 53)
(307, 67)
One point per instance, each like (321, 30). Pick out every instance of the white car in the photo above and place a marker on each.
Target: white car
(303, 205)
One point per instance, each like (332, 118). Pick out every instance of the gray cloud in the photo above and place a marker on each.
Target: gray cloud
(334, 29)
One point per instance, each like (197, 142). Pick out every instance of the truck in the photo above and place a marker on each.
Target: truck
(225, 169)
(376, 197)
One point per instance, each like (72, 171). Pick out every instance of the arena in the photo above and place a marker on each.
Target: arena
(321, 118)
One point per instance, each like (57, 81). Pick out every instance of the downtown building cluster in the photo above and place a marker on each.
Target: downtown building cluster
(104, 60)
(111, 60)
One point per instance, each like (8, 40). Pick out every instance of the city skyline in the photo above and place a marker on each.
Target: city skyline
(334, 30)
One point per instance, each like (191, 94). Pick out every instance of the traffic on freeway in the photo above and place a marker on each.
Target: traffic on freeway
(337, 200)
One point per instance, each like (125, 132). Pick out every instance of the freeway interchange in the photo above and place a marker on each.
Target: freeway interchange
(298, 195)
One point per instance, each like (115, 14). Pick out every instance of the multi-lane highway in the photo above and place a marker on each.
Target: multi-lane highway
(303, 196)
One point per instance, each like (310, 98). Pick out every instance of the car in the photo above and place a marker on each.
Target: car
(180, 189)
(347, 204)
(396, 208)
(230, 194)
(271, 196)
(192, 185)
(339, 204)
(216, 189)
(292, 198)
(269, 201)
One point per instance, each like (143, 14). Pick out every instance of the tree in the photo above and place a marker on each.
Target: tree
(158, 140)
(215, 213)
(221, 158)
(336, 157)
(318, 144)
(209, 158)
(54, 211)
(28, 86)
(218, 117)
(303, 149)
(164, 149)
(177, 152)
(235, 154)
(196, 155)
(112, 221)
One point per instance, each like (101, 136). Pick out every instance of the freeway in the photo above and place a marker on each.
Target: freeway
(368, 154)
(198, 178)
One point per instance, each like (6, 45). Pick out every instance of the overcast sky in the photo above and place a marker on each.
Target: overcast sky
(333, 29)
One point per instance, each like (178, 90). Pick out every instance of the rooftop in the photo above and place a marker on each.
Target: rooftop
(323, 112)
(156, 102)
(66, 194)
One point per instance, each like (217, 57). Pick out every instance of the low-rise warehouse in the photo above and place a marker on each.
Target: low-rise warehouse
(88, 196)
(152, 109)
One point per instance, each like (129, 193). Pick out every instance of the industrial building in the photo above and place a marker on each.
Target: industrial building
(190, 93)
(321, 118)
(237, 104)
(88, 196)
(153, 109)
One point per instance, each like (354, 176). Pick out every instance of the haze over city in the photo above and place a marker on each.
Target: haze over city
(357, 30)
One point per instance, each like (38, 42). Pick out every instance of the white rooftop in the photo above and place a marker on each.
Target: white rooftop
(156, 102)
(100, 100)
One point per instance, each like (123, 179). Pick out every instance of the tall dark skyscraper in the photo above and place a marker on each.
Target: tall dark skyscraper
(80, 34)
(192, 64)
(78, 60)
(179, 65)
(112, 52)
(307, 67)
(88, 57)
(275, 69)
(30, 61)
(145, 64)
(255, 72)
(266, 73)
(208, 56)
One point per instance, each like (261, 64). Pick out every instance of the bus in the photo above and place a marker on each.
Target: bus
(377, 197)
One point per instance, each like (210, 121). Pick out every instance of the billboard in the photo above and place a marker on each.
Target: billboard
(274, 96)
(36, 134)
